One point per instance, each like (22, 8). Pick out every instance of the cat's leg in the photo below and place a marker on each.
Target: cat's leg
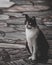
(33, 56)
(30, 47)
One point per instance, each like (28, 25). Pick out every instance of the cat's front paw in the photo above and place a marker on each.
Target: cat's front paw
(32, 58)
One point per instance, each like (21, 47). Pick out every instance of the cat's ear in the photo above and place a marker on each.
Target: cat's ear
(34, 18)
(26, 16)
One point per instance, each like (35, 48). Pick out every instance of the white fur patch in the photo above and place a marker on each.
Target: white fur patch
(31, 35)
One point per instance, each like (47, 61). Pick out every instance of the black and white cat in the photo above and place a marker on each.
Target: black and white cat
(36, 42)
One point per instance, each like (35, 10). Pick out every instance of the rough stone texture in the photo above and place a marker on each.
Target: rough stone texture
(5, 4)
(14, 14)
(11, 45)
(27, 8)
(4, 17)
(20, 57)
(3, 24)
(21, 62)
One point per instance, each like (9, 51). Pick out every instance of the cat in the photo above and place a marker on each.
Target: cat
(36, 42)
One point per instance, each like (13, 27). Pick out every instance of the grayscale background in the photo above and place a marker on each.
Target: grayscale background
(12, 30)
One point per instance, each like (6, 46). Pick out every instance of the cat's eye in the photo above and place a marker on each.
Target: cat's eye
(29, 23)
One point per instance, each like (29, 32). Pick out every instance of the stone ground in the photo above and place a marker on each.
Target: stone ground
(12, 31)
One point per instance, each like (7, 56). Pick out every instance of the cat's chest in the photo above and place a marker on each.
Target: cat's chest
(31, 33)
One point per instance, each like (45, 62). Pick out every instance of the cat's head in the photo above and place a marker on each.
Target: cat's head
(30, 21)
